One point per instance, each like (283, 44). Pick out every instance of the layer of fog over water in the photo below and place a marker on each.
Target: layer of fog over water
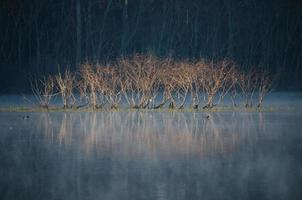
(152, 155)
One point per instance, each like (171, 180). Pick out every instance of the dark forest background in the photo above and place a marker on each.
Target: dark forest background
(44, 36)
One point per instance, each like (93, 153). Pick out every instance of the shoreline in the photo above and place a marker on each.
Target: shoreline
(21, 109)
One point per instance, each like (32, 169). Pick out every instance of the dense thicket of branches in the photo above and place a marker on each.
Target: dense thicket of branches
(146, 81)
(38, 35)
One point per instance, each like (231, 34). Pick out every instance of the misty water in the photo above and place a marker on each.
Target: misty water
(152, 155)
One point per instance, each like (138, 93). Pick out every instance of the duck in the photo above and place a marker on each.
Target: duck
(25, 117)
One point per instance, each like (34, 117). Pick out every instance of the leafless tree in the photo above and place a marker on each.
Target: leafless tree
(166, 82)
(66, 84)
(109, 82)
(89, 84)
(183, 76)
(229, 79)
(139, 82)
(43, 90)
(265, 86)
(199, 76)
(216, 78)
(248, 83)
(234, 91)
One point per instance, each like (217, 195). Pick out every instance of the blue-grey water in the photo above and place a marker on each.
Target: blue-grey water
(151, 155)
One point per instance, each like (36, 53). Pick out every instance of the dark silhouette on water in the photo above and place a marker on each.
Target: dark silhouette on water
(25, 117)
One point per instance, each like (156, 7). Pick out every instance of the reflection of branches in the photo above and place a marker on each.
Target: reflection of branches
(45, 123)
(65, 132)
(140, 133)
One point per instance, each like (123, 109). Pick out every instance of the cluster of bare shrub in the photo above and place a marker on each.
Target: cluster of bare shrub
(145, 81)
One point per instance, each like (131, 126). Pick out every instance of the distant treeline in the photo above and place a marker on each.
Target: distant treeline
(42, 36)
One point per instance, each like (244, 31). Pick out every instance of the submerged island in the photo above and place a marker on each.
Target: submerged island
(148, 82)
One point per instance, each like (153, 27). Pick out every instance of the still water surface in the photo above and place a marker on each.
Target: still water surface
(151, 155)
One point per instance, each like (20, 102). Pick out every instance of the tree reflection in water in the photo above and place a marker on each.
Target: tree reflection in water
(149, 134)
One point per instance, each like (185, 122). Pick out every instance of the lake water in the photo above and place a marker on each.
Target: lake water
(151, 155)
